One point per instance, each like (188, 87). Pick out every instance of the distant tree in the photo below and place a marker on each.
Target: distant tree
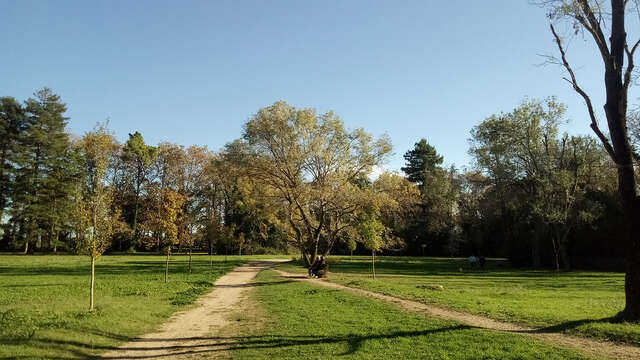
(534, 170)
(563, 184)
(137, 156)
(13, 123)
(420, 161)
(435, 216)
(371, 231)
(167, 173)
(400, 203)
(192, 186)
(161, 225)
(44, 168)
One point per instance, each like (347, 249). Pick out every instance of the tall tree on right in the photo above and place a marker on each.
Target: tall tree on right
(594, 18)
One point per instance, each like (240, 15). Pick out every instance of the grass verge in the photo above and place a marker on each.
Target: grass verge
(44, 301)
(306, 321)
(578, 303)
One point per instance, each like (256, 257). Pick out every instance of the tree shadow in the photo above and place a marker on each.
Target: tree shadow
(200, 346)
(570, 325)
(120, 268)
(253, 284)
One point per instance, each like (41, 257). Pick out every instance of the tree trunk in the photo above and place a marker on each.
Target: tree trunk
(632, 264)
(536, 243)
(93, 262)
(26, 246)
(134, 228)
(556, 252)
(616, 113)
(564, 251)
(210, 254)
(373, 263)
(166, 268)
(189, 260)
(305, 257)
(55, 242)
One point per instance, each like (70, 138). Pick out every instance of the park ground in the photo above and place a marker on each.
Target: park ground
(43, 303)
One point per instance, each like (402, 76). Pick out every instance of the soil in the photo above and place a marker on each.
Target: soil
(191, 334)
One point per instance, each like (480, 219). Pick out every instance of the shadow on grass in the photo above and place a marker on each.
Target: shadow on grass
(31, 285)
(254, 284)
(210, 345)
(570, 325)
(120, 268)
(458, 268)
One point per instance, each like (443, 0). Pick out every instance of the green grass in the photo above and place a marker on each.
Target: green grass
(579, 303)
(306, 321)
(44, 301)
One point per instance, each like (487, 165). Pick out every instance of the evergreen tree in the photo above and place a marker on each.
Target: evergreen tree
(12, 124)
(423, 159)
(138, 158)
(42, 180)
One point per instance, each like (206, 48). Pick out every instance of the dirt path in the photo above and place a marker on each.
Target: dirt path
(595, 348)
(188, 334)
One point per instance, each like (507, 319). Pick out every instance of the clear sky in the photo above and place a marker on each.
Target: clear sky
(192, 72)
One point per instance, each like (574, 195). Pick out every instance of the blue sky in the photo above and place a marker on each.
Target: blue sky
(192, 72)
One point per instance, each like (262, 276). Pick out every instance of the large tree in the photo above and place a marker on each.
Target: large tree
(597, 17)
(13, 123)
(45, 168)
(308, 164)
(537, 173)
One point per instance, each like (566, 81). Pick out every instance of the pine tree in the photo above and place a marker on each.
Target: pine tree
(42, 180)
(12, 125)
(138, 157)
(423, 159)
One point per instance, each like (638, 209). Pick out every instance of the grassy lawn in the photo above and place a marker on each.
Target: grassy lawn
(580, 303)
(305, 321)
(44, 300)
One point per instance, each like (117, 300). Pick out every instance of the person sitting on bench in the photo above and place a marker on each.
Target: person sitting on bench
(319, 268)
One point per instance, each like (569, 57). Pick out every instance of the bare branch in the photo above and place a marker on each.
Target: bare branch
(587, 99)
(629, 71)
(592, 25)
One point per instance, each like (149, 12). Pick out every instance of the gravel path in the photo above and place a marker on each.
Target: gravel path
(188, 334)
(591, 347)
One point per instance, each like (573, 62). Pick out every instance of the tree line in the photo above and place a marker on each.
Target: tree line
(59, 191)
(298, 181)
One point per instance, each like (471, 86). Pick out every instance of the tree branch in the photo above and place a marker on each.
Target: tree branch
(592, 25)
(587, 99)
(628, 72)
